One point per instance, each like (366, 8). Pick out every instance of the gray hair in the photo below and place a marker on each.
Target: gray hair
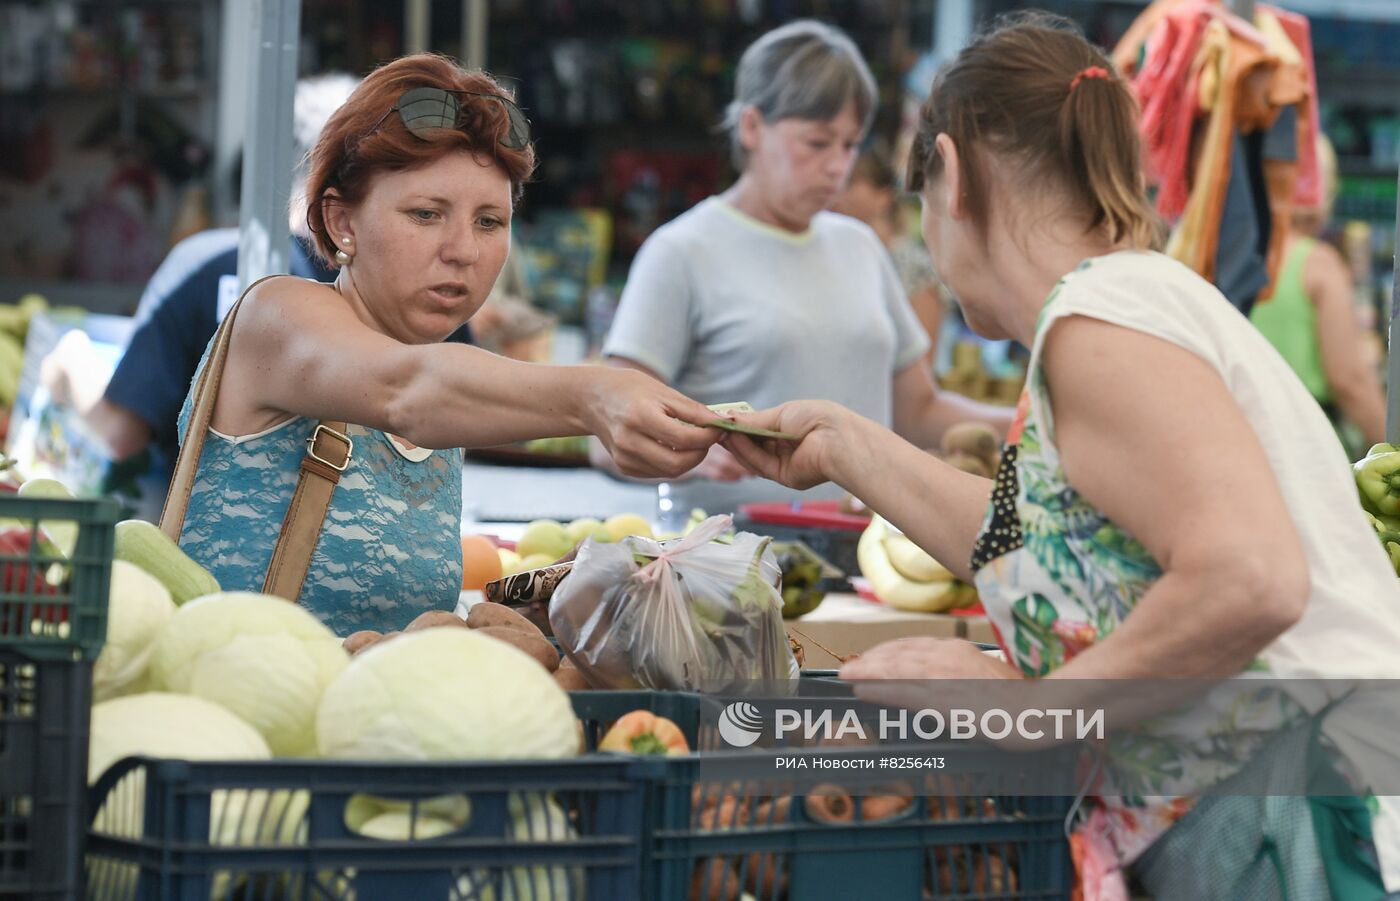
(802, 70)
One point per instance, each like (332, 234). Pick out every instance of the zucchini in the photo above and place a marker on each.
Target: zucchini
(145, 545)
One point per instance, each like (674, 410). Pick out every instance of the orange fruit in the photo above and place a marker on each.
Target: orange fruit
(480, 562)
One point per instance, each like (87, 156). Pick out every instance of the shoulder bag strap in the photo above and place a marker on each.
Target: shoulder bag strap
(328, 455)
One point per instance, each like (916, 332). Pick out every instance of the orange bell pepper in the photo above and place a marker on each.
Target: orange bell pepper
(643, 732)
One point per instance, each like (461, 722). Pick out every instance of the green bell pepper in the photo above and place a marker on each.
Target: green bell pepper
(1378, 481)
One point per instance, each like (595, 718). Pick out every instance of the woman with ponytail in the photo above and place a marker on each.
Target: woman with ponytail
(1171, 503)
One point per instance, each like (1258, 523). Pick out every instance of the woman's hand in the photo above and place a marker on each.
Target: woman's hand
(826, 430)
(928, 658)
(650, 430)
(720, 466)
(935, 674)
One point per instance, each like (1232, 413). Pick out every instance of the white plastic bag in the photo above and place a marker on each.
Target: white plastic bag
(694, 615)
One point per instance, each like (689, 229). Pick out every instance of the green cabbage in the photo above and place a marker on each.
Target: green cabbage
(263, 658)
(138, 608)
(445, 694)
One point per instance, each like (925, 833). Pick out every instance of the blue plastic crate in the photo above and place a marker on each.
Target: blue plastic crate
(53, 619)
(944, 846)
(278, 830)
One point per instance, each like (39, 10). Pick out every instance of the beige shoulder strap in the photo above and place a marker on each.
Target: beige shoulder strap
(328, 455)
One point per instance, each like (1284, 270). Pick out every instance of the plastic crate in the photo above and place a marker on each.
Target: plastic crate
(945, 846)
(278, 829)
(49, 635)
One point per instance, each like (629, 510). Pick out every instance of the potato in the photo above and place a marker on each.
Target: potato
(536, 646)
(487, 614)
(433, 619)
(358, 641)
(570, 678)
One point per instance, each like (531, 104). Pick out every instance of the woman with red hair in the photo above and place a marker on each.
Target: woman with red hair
(410, 192)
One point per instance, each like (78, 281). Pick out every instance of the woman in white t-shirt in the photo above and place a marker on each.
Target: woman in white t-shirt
(759, 295)
(1171, 503)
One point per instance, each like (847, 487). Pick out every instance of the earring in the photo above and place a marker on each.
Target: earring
(342, 257)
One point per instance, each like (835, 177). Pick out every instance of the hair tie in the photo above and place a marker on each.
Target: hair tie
(1091, 72)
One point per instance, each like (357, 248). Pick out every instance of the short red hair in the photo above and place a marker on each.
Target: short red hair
(351, 150)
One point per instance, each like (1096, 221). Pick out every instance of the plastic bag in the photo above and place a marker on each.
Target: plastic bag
(698, 616)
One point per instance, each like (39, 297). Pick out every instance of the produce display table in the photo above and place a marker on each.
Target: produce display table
(849, 624)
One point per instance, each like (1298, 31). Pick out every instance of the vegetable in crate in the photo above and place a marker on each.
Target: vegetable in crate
(445, 694)
(264, 659)
(141, 543)
(20, 577)
(1378, 479)
(685, 614)
(643, 732)
(138, 608)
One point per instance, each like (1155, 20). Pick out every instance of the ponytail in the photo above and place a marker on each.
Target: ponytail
(1034, 76)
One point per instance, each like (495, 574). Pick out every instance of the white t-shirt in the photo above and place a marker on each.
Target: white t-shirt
(1351, 626)
(726, 308)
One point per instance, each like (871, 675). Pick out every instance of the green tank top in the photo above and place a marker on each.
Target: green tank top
(1289, 321)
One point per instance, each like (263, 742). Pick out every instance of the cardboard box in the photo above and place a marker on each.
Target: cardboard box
(849, 624)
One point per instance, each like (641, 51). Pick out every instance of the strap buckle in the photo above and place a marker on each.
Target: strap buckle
(311, 447)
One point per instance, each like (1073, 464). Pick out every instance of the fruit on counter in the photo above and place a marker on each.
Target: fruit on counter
(918, 583)
(910, 560)
(534, 561)
(1378, 479)
(624, 524)
(510, 561)
(480, 562)
(584, 528)
(545, 537)
(138, 608)
(421, 697)
(264, 659)
(643, 732)
(145, 545)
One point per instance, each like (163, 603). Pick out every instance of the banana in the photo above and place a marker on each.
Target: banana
(893, 588)
(911, 561)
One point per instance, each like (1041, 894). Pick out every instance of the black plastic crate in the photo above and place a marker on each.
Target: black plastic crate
(53, 618)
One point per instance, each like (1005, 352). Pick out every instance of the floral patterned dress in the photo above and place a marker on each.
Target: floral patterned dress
(1056, 576)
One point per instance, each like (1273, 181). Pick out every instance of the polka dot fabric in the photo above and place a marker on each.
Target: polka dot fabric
(1002, 534)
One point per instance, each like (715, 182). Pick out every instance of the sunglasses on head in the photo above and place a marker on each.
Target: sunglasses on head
(425, 110)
